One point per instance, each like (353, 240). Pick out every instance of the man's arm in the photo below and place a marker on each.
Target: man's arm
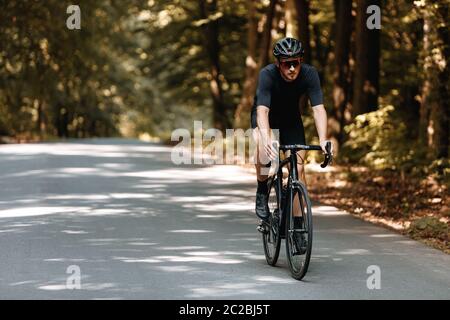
(263, 102)
(262, 120)
(320, 119)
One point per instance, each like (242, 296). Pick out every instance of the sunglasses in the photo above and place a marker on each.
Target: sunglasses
(289, 64)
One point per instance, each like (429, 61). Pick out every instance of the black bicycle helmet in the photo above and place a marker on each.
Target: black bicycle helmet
(288, 48)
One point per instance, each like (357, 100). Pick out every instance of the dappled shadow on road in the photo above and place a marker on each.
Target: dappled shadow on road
(77, 204)
(140, 227)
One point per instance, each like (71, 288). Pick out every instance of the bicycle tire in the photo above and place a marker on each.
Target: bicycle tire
(272, 238)
(299, 263)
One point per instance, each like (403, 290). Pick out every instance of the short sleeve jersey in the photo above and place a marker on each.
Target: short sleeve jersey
(282, 97)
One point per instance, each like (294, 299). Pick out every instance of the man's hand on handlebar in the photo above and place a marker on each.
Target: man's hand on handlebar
(327, 148)
(323, 145)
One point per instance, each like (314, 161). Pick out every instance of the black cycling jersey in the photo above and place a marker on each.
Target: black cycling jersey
(282, 98)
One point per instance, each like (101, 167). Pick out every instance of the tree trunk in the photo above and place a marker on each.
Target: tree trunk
(61, 121)
(267, 35)
(290, 15)
(442, 115)
(41, 124)
(434, 110)
(248, 91)
(341, 75)
(211, 38)
(302, 9)
(426, 87)
(367, 64)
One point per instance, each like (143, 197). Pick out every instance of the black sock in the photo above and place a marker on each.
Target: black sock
(262, 187)
(298, 221)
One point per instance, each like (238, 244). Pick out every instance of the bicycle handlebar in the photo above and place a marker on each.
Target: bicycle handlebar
(295, 147)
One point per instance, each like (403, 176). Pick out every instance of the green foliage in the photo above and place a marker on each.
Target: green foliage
(178, 65)
(60, 82)
(440, 169)
(379, 140)
(145, 63)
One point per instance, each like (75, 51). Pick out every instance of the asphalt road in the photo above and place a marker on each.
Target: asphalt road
(136, 226)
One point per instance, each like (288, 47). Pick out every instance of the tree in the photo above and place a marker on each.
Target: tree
(210, 25)
(58, 82)
(302, 10)
(366, 81)
(266, 38)
(434, 112)
(341, 74)
(252, 63)
(251, 66)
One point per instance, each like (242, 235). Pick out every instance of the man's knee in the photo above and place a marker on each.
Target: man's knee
(301, 157)
(301, 162)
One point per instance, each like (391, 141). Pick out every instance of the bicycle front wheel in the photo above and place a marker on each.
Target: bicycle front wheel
(271, 236)
(299, 235)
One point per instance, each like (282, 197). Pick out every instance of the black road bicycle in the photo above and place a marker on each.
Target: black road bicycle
(280, 224)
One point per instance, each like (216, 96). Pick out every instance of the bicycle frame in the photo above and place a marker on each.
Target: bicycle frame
(292, 179)
(293, 175)
(278, 228)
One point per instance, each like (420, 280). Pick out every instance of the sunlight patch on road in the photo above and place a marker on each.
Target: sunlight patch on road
(104, 212)
(212, 216)
(206, 259)
(354, 252)
(198, 199)
(53, 287)
(175, 268)
(121, 166)
(231, 192)
(78, 170)
(214, 174)
(273, 279)
(385, 235)
(22, 283)
(26, 173)
(78, 197)
(100, 196)
(149, 186)
(134, 260)
(182, 248)
(247, 255)
(64, 260)
(74, 232)
(18, 225)
(84, 286)
(327, 211)
(202, 253)
(130, 195)
(142, 243)
(220, 207)
(189, 231)
(35, 211)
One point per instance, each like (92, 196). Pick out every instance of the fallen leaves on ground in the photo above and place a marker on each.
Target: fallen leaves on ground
(416, 207)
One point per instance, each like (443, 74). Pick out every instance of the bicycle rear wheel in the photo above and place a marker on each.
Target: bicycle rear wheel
(298, 260)
(271, 236)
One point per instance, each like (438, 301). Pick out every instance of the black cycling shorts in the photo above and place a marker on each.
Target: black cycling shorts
(288, 135)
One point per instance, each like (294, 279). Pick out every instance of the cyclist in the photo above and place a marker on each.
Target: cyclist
(276, 106)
